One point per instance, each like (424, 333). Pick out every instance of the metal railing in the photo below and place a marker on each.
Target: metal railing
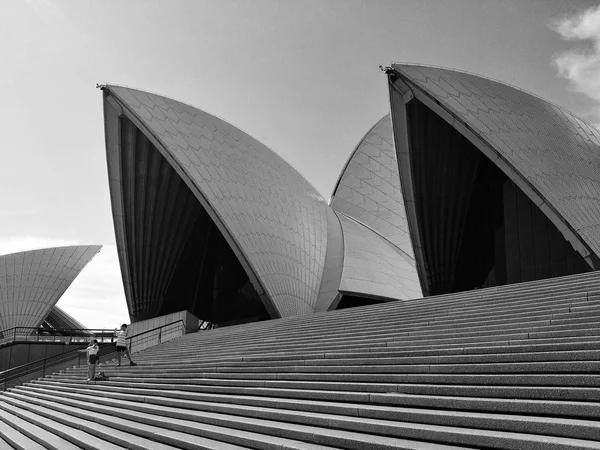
(41, 367)
(54, 335)
(155, 336)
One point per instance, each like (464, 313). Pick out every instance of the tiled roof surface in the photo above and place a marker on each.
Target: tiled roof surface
(276, 217)
(369, 187)
(32, 282)
(60, 319)
(555, 151)
(373, 266)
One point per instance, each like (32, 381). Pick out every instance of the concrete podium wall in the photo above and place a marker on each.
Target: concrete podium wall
(190, 325)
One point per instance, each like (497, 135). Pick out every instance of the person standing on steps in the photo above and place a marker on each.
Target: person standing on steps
(122, 345)
(92, 357)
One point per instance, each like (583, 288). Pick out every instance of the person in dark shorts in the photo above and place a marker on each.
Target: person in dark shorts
(122, 345)
(92, 357)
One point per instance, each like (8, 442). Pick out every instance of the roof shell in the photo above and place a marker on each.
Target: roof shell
(374, 267)
(274, 218)
(58, 318)
(368, 189)
(552, 155)
(31, 282)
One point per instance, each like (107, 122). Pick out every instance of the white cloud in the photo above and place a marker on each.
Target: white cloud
(96, 297)
(584, 25)
(581, 66)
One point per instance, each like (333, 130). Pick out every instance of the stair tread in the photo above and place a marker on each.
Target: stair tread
(330, 411)
(355, 390)
(345, 423)
(332, 398)
(507, 367)
(4, 445)
(68, 433)
(308, 431)
(108, 416)
(15, 437)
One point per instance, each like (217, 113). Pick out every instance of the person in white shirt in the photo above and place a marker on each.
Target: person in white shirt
(122, 345)
(92, 357)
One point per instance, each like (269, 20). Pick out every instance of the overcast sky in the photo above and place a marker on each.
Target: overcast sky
(300, 76)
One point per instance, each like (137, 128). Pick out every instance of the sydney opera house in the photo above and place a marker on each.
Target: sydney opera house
(32, 282)
(467, 183)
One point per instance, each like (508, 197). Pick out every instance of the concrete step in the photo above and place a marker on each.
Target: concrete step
(123, 430)
(496, 341)
(379, 358)
(326, 399)
(461, 316)
(17, 433)
(381, 395)
(417, 318)
(273, 379)
(335, 390)
(407, 323)
(582, 366)
(476, 336)
(297, 422)
(382, 352)
(397, 340)
(73, 435)
(109, 433)
(513, 367)
(196, 423)
(398, 337)
(4, 445)
(516, 363)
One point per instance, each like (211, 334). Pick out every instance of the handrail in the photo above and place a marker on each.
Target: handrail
(160, 329)
(157, 328)
(44, 363)
(31, 334)
(59, 356)
(22, 366)
(9, 330)
(77, 350)
(41, 367)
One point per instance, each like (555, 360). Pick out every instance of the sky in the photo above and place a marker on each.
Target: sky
(300, 76)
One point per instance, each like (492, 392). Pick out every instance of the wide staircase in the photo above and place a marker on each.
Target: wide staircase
(514, 367)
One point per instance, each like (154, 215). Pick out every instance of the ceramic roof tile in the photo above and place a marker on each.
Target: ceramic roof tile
(32, 282)
(372, 172)
(551, 149)
(213, 154)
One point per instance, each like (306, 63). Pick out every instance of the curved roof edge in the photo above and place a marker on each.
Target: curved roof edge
(496, 80)
(334, 264)
(33, 281)
(61, 317)
(98, 247)
(188, 159)
(216, 218)
(352, 154)
(109, 86)
(454, 118)
(369, 188)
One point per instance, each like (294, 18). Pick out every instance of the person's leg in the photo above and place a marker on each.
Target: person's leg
(90, 370)
(94, 369)
(129, 357)
(119, 357)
